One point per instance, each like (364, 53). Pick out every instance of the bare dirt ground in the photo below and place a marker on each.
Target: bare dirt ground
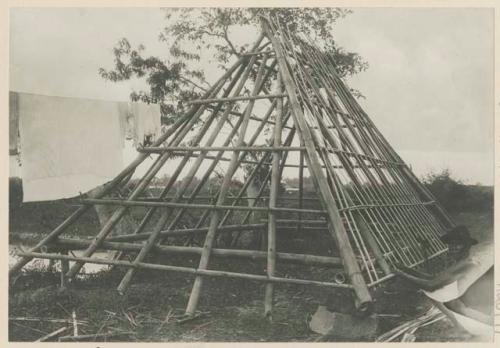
(232, 310)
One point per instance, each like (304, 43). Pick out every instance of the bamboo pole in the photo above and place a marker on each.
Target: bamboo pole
(199, 206)
(336, 227)
(304, 259)
(253, 118)
(193, 271)
(301, 186)
(233, 99)
(52, 334)
(220, 148)
(183, 232)
(275, 180)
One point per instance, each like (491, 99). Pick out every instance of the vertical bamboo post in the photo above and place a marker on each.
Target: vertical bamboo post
(301, 186)
(64, 269)
(214, 221)
(275, 180)
(336, 227)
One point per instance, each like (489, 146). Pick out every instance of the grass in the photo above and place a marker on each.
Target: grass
(232, 309)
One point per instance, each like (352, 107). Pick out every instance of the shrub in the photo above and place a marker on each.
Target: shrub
(455, 196)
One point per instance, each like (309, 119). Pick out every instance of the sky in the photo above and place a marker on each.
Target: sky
(429, 85)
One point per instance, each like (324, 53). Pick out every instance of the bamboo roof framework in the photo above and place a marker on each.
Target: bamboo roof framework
(285, 101)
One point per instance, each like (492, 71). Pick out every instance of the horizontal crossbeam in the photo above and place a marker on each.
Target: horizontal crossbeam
(375, 206)
(219, 148)
(305, 259)
(133, 203)
(235, 99)
(193, 271)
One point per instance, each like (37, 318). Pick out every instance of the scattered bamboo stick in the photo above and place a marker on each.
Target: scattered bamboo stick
(75, 323)
(52, 334)
(50, 320)
(431, 316)
(94, 337)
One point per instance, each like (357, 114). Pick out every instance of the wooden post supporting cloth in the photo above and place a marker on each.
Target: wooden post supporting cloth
(336, 228)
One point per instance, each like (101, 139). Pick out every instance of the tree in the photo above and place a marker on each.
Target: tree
(177, 78)
(188, 31)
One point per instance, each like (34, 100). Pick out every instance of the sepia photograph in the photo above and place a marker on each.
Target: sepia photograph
(251, 174)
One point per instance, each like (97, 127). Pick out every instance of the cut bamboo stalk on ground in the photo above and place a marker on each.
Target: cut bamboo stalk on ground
(52, 334)
(102, 337)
